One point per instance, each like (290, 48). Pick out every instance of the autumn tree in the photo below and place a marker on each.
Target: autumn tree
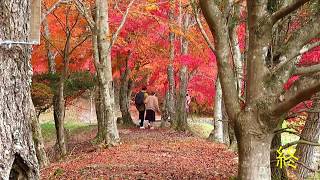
(265, 102)
(18, 157)
(102, 43)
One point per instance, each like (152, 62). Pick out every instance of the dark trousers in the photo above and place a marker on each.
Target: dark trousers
(141, 117)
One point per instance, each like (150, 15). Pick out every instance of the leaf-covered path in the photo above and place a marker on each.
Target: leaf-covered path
(145, 154)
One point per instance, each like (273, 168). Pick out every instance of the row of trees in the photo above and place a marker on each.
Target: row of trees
(251, 84)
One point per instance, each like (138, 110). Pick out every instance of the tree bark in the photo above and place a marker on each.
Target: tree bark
(170, 70)
(104, 72)
(124, 96)
(276, 172)
(18, 155)
(59, 114)
(305, 152)
(254, 162)
(218, 124)
(50, 54)
(38, 139)
(99, 112)
(253, 148)
(181, 118)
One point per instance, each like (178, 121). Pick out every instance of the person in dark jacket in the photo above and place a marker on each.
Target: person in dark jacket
(140, 105)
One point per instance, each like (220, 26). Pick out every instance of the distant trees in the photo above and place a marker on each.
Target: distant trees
(265, 102)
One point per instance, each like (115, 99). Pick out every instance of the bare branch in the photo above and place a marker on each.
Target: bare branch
(287, 10)
(301, 141)
(203, 32)
(307, 70)
(79, 43)
(52, 8)
(124, 18)
(303, 50)
(287, 131)
(301, 90)
(85, 12)
(219, 29)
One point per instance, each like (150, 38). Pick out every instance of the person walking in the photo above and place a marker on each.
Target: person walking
(152, 106)
(139, 102)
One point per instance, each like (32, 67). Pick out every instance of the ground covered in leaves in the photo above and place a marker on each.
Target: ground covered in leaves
(144, 154)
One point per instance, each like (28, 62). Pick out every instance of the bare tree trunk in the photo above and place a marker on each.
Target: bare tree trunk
(50, 54)
(104, 73)
(18, 156)
(37, 138)
(59, 114)
(99, 112)
(254, 159)
(217, 132)
(305, 152)
(182, 124)
(124, 96)
(172, 87)
(276, 172)
(164, 111)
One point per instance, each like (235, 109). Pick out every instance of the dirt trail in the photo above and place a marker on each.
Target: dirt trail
(145, 154)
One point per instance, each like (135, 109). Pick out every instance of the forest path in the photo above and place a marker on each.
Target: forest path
(145, 154)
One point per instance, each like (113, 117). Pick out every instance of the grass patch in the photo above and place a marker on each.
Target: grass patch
(49, 131)
(201, 129)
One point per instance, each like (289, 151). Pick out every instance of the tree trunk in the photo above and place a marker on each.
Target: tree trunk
(254, 156)
(59, 114)
(218, 124)
(102, 43)
(164, 111)
(18, 157)
(50, 54)
(182, 124)
(124, 99)
(276, 172)
(306, 152)
(37, 139)
(100, 119)
(172, 87)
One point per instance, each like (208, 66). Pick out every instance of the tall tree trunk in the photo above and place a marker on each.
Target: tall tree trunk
(50, 54)
(59, 114)
(181, 120)
(164, 110)
(305, 152)
(253, 148)
(217, 132)
(172, 87)
(18, 155)
(37, 138)
(181, 116)
(99, 112)
(254, 159)
(124, 96)
(104, 72)
(276, 172)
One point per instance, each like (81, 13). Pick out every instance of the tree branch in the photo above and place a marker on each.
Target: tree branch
(219, 29)
(84, 10)
(301, 141)
(302, 90)
(287, 10)
(203, 32)
(52, 8)
(303, 50)
(307, 70)
(124, 18)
